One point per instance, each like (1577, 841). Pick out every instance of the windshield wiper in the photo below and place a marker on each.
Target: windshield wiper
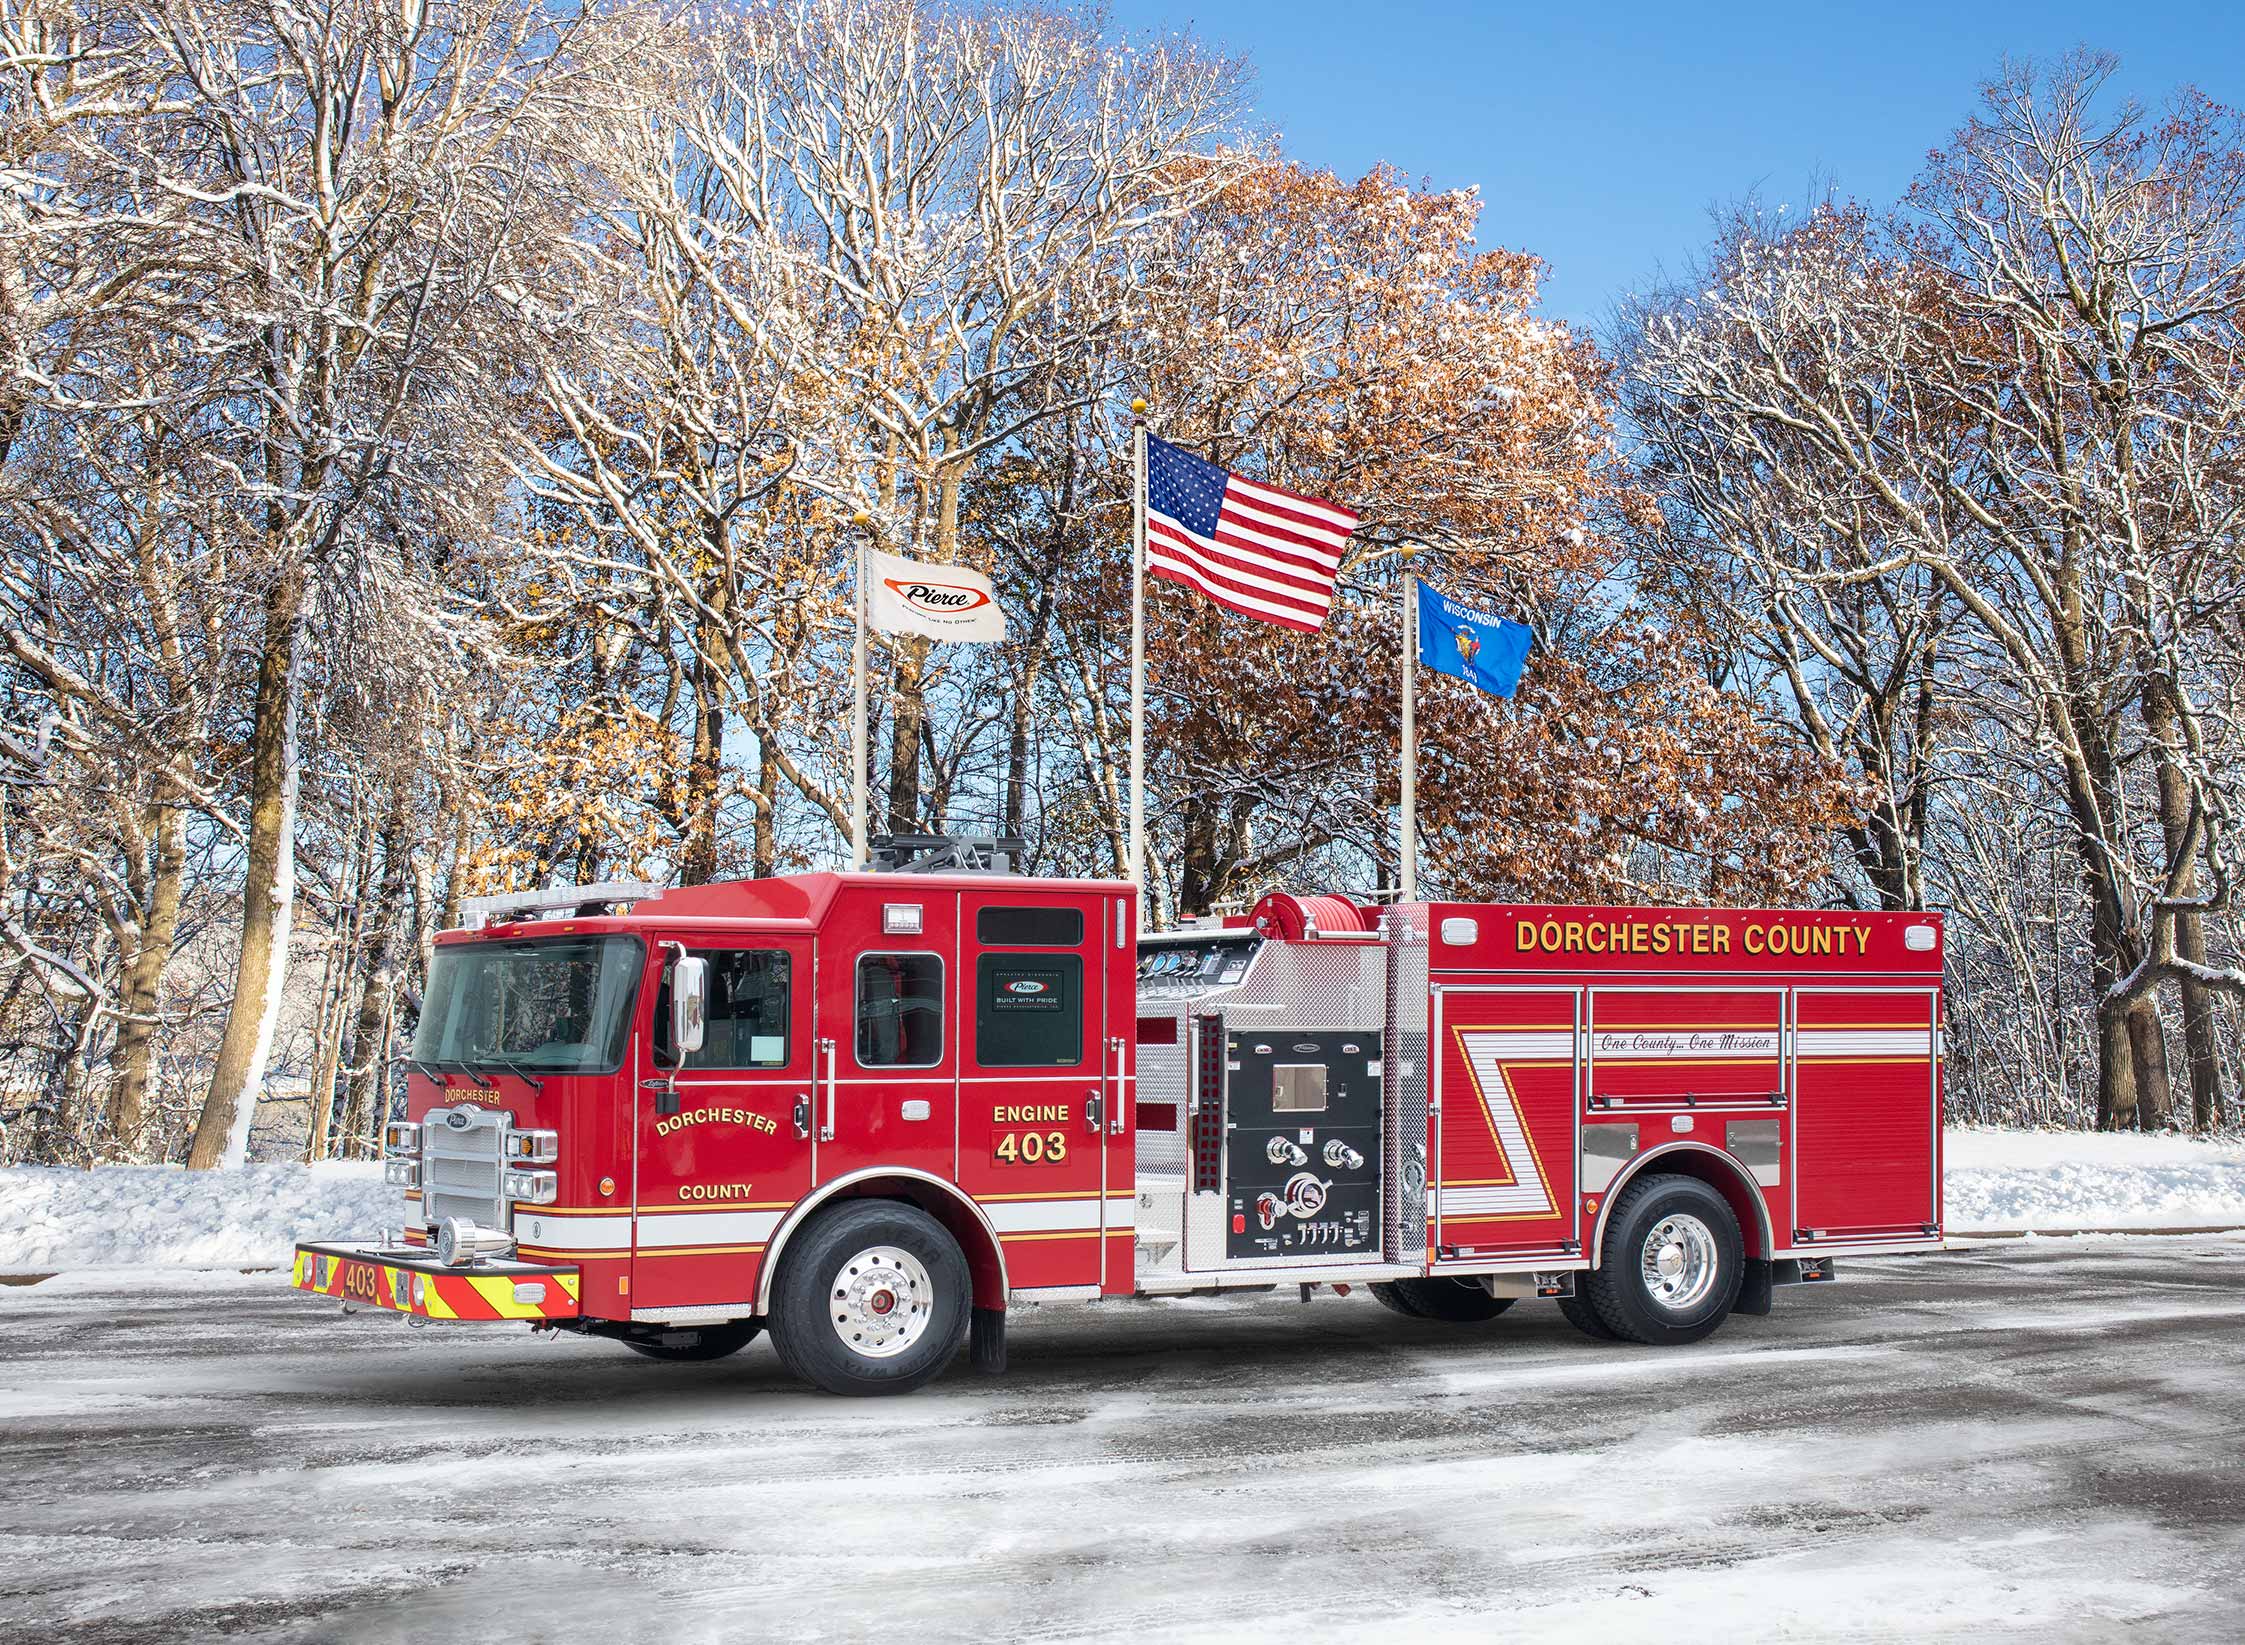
(519, 1072)
(427, 1070)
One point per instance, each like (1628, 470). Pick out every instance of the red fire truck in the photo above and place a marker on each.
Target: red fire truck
(871, 1112)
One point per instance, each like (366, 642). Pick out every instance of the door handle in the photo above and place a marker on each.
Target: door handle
(1122, 1099)
(826, 1126)
(1094, 1111)
(803, 1116)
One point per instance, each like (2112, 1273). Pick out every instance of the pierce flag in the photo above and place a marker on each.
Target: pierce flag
(1469, 644)
(1249, 547)
(942, 602)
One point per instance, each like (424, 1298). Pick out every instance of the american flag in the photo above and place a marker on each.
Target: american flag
(1253, 548)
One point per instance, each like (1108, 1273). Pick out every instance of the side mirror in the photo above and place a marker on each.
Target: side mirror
(689, 999)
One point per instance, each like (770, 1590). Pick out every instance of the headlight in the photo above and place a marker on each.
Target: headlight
(536, 1147)
(402, 1173)
(534, 1187)
(402, 1137)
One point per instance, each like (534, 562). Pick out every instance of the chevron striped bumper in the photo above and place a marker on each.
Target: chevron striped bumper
(409, 1281)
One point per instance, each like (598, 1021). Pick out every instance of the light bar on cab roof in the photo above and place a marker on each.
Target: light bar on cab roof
(477, 912)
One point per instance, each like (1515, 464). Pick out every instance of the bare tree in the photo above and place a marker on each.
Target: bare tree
(2027, 388)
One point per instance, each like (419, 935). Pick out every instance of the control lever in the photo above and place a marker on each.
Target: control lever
(803, 1116)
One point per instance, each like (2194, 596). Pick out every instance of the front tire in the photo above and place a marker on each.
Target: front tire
(1455, 1301)
(1672, 1266)
(704, 1342)
(873, 1299)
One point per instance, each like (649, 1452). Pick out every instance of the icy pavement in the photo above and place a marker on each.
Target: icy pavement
(2032, 1441)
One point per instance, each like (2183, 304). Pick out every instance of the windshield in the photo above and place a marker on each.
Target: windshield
(555, 1004)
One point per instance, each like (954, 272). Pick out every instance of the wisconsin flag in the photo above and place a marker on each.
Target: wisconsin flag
(1469, 644)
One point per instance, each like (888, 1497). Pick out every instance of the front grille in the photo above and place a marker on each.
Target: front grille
(462, 1165)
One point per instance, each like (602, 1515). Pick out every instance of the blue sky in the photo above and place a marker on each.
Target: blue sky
(1600, 138)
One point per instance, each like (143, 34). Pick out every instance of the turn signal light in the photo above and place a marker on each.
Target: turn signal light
(531, 1187)
(402, 1136)
(537, 1147)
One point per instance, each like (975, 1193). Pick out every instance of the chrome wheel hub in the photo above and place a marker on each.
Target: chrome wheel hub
(882, 1301)
(1679, 1262)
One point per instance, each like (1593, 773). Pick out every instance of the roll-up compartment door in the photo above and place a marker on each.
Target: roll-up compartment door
(1865, 1120)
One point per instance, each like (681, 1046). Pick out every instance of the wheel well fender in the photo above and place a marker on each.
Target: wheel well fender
(961, 1218)
(1720, 1171)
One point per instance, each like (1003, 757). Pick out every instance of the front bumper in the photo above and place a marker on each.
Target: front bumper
(408, 1280)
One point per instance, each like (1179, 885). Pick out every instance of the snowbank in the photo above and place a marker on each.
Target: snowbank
(1999, 1180)
(134, 1215)
(122, 1216)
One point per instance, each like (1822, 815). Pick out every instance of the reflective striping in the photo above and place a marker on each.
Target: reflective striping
(1028, 1217)
(1511, 1044)
(608, 1233)
(1863, 1042)
(1529, 1194)
(707, 1228)
(444, 1295)
(613, 1234)
(1068, 1233)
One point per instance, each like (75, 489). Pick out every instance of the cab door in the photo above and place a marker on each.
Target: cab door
(1041, 1089)
(721, 1163)
(889, 1031)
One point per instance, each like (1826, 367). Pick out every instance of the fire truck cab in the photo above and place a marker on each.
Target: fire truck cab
(871, 1112)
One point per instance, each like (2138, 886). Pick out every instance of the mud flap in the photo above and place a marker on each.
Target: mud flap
(986, 1340)
(1755, 1288)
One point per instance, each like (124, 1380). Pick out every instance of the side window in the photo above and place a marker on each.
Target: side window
(750, 1009)
(1029, 1011)
(899, 1011)
(1029, 927)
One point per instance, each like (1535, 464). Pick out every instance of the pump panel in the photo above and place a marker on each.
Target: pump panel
(1302, 1142)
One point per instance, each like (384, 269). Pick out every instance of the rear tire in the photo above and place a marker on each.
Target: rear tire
(707, 1341)
(1673, 1263)
(1582, 1316)
(1455, 1301)
(872, 1298)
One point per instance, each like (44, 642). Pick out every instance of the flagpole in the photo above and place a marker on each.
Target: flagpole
(860, 844)
(1137, 872)
(1409, 850)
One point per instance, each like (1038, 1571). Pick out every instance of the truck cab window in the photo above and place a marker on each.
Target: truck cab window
(899, 1011)
(746, 1024)
(550, 1005)
(1028, 1011)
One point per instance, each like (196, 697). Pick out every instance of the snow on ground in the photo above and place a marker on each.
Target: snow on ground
(123, 1216)
(2085, 1179)
(136, 1215)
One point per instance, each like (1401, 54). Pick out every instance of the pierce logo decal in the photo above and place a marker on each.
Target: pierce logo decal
(938, 599)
